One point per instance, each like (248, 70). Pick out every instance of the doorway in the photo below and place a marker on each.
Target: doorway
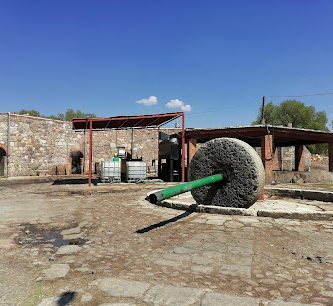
(76, 157)
(3, 161)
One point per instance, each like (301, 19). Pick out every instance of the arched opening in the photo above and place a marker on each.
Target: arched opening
(3, 161)
(76, 157)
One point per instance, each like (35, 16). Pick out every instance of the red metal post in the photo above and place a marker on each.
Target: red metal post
(183, 148)
(90, 153)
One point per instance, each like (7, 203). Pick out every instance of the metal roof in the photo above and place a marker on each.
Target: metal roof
(282, 135)
(117, 122)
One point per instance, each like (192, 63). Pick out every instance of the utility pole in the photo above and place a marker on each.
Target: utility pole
(262, 119)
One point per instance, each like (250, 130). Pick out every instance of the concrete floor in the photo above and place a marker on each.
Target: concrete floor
(126, 251)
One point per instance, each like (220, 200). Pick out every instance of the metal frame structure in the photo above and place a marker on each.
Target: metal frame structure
(121, 122)
(267, 137)
(283, 136)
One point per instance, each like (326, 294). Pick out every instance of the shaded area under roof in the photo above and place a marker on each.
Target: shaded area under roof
(282, 136)
(117, 122)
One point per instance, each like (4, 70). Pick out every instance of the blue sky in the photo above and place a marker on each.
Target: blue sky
(219, 57)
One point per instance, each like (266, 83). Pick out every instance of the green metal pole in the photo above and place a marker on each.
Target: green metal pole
(179, 189)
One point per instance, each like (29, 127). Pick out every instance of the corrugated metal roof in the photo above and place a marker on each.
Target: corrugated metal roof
(137, 121)
(282, 135)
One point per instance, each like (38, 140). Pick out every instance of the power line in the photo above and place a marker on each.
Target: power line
(305, 95)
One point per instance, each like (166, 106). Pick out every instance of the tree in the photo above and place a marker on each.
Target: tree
(53, 117)
(70, 114)
(295, 112)
(300, 115)
(31, 112)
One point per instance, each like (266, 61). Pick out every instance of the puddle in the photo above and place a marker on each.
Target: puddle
(32, 235)
(55, 238)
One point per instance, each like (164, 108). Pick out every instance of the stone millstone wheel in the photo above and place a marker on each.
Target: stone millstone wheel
(241, 167)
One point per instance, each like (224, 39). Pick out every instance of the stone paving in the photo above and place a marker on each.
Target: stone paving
(114, 248)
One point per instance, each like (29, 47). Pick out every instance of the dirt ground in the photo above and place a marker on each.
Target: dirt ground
(111, 247)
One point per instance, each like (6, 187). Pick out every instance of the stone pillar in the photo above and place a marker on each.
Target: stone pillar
(5, 166)
(68, 168)
(276, 160)
(330, 157)
(81, 165)
(299, 158)
(191, 149)
(267, 155)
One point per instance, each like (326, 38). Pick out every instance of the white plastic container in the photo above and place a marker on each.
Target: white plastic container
(110, 171)
(136, 171)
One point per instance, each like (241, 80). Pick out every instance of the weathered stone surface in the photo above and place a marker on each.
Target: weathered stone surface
(218, 299)
(56, 271)
(68, 249)
(51, 301)
(6, 243)
(82, 269)
(182, 250)
(117, 304)
(87, 297)
(73, 236)
(318, 195)
(122, 287)
(172, 296)
(241, 166)
(200, 260)
(327, 293)
(169, 263)
(70, 231)
(235, 269)
(233, 224)
(282, 303)
(267, 259)
(202, 269)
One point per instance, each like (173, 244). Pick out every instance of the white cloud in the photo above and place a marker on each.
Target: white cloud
(176, 103)
(186, 108)
(152, 100)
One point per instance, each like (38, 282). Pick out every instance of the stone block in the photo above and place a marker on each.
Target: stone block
(218, 299)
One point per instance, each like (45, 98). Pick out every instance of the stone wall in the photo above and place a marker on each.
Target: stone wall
(36, 144)
(43, 146)
(3, 131)
(284, 158)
